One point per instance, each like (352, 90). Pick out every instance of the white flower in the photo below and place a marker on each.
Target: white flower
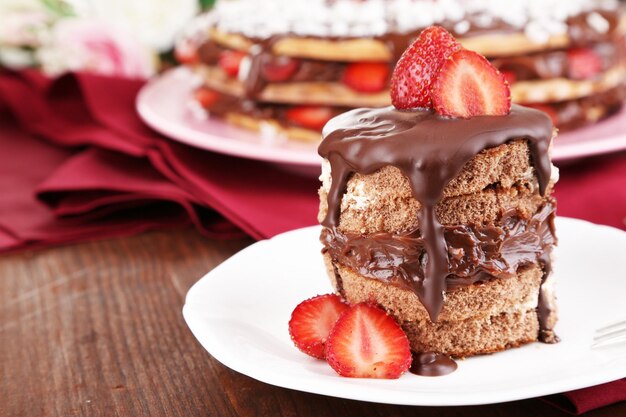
(22, 22)
(154, 22)
(77, 44)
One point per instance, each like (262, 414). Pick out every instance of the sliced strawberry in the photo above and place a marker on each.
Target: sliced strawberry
(418, 66)
(311, 117)
(468, 85)
(583, 63)
(509, 76)
(206, 97)
(366, 342)
(229, 61)
(280, 68)
(548, 109)
(311, 322)
(366, 77)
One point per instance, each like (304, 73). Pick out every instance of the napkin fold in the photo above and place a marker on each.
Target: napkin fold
(77, 163)
(582, 400)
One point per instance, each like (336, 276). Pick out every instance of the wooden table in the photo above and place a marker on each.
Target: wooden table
(96, 329)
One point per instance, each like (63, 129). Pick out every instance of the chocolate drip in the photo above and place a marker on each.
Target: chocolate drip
(475, 253)
(432, 364)
(429, 150)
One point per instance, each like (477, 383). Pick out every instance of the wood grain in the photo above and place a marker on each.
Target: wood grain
(96, 330)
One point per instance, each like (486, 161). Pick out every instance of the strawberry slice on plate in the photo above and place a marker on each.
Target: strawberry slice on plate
(311, 322)
(366, 77)
(366, 342)
(418, 66)
(229, 61)
(468, 85)
(583, 63)
(310, 117)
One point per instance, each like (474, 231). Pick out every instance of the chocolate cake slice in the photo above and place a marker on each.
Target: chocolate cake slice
(447, 223)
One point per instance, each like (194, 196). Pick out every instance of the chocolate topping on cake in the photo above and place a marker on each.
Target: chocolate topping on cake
(430, 150)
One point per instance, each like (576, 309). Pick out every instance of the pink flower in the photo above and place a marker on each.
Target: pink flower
(87, 45)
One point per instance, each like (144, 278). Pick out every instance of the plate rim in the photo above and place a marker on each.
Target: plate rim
(207, 141)
(217, 351)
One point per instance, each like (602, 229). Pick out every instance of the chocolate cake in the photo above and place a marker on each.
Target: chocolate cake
(446, 223)
(291, 65)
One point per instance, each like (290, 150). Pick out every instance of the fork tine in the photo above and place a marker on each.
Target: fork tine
(620, 325)
(616, 332)
(607, 341)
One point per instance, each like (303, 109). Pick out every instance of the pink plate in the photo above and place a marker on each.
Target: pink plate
(165, 104)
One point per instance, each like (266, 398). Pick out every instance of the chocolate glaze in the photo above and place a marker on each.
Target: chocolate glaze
(432, 364)
(429, 150)
(475, 253)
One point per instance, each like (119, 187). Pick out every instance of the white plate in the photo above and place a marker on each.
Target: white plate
(239, 313)
(164, 104)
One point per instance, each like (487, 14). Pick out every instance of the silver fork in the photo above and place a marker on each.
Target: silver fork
(610, 335)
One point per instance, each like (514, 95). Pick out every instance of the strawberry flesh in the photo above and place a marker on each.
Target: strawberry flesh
(418, 66)
(206, 97)
(583, 63)
(311, 322)
(280, 68)
(310, 117)
(366, 77)
(229, 61)
(366, 342)
(468, 85)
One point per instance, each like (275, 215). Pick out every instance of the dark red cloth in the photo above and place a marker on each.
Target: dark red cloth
(582, 400)
(77, 163)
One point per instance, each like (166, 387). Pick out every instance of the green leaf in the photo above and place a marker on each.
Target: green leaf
(206, 4)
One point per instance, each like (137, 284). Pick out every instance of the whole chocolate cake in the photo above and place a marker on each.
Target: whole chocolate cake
(289, 66)
(444, 219)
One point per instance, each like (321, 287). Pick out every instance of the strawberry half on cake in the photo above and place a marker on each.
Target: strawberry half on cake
(439, 209)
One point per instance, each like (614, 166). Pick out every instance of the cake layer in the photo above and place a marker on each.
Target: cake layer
(571, 114)
(440, 157)
(477, 300)
(383, 43)
(559, 89)
(474, 336)
(383, 201)
(325, 93)
(475, 252)
(476, 319)
(275, 128)
(338, 94)
(538, 66)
